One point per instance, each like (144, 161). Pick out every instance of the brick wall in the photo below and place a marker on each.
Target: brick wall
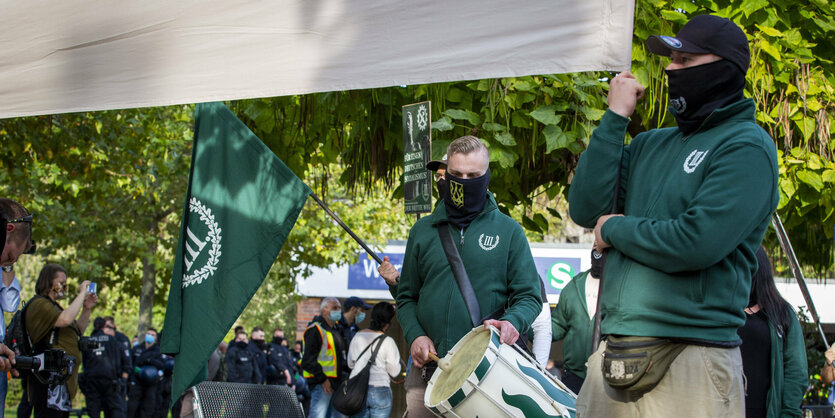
(306, 309)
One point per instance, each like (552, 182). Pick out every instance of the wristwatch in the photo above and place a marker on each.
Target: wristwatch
(8, 269)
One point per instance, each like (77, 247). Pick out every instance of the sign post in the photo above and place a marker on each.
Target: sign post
(417, 137)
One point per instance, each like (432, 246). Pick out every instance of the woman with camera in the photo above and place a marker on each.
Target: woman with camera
(51, 326)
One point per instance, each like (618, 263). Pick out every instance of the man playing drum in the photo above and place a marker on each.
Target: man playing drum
(496, 257)
(695, 203)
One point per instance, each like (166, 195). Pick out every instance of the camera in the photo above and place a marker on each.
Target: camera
(88, 344)
(52, 367)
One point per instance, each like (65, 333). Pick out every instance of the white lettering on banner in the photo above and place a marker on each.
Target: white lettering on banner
(413, 177)
(413, 156)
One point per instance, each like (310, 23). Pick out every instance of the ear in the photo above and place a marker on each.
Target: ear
(9, 227)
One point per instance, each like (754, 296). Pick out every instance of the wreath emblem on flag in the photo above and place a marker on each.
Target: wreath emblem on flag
(194, 245)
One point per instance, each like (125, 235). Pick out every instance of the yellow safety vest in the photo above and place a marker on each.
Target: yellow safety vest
(327, 354)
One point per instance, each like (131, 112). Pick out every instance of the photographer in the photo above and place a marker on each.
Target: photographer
(51, 326)
(105, 362)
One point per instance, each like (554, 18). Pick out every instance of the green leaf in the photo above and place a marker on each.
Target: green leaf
(505, 158)
(769, 31)
(769, 49)
(505, 138)
(443, 124)
(828, 176)
(493, 127)
(467, 115)
(811, 178)
(555, 213)
(541, 222)
(530, 225)
(673, 16)
(555, 138)
(546, 115)
(592, 113)
(750, 6)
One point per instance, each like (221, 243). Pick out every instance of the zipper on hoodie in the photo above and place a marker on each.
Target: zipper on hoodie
(686, 137)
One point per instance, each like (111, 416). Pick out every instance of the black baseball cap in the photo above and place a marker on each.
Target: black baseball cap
(355, 301)
(706, 34)
(435, 164)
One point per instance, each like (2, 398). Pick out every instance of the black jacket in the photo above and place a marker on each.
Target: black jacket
(241, 366)
(312, 345)
(150, 356)
(279, 356)
(260, 357)
(108, 361)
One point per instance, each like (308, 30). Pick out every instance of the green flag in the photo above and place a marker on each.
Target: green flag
(241, 204)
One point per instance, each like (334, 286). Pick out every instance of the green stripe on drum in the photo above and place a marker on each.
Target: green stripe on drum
(456, 398)
(435, 410)
(494, 338)
(526, 404)
(563, 398)
(482, 368)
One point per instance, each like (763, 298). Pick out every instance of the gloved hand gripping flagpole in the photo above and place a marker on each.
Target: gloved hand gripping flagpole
(798, 274)
(348, 230)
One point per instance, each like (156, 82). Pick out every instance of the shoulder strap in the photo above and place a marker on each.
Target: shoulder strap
(374, 353)
(369, 345)
(460, 273)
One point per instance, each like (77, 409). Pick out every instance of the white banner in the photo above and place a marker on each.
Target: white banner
(67, 56)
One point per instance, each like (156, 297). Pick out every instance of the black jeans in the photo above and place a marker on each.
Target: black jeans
(103, 395)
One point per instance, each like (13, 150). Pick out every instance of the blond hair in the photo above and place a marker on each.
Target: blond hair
(465, 145)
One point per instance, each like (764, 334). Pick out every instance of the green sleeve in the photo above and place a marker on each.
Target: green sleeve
(408, 291)
(559, 320)
(523, 288)
(590, 193)
(736, 196)
(41, 316)
(795, 380)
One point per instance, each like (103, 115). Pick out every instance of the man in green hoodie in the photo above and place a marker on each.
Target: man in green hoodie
(694, 204)
(496, 257)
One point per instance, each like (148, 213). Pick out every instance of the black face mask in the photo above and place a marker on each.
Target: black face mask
(278, 340)
(259, 343)
(464, 198)
(442, 187)
(240, 344)
(696, 92)
(598, 260)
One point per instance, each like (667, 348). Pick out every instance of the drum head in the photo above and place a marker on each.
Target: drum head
(462, 364)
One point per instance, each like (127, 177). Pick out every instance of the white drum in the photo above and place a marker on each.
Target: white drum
(488, 379)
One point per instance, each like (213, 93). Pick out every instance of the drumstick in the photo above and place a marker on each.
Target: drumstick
(443, 363)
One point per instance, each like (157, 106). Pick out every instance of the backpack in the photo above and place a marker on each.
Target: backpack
(17, 338)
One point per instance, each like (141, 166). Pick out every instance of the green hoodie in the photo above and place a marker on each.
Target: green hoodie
(788, 371)
(696, 209)
(570, 322)
(500, 266)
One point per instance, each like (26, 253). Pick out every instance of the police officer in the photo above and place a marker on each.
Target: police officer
(147, 369)
(258, 347)
(110, 323)
(103, 367)
(279, 357)
(240, 366)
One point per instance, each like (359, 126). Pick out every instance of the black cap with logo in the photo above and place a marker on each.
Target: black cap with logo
(706, 34)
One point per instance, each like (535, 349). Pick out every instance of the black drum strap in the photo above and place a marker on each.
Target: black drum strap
(460, 274)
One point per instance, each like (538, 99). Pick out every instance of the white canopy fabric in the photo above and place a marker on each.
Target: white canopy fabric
(67, 56)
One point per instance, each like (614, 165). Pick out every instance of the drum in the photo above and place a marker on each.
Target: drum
(488, 379)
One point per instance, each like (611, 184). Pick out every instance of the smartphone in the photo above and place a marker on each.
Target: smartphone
(92, 288)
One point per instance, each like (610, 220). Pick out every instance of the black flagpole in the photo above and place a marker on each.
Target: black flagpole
(798, 274)
(345, 227)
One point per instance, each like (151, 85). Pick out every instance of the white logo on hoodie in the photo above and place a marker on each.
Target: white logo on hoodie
(693, 160)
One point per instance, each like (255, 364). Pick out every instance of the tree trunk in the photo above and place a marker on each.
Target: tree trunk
(149, 277)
